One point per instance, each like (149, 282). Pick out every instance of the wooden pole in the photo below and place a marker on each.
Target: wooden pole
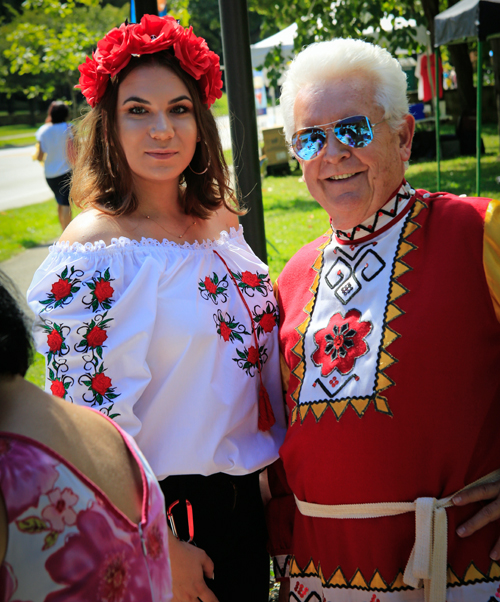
(244, 138)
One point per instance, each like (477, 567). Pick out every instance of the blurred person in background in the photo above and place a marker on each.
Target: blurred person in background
(55, 139)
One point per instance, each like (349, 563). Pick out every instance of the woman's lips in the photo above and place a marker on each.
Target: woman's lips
(161, 154)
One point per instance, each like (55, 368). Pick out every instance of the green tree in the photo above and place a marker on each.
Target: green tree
(43, 45)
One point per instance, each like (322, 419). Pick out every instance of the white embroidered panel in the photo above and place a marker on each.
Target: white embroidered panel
(344, 334)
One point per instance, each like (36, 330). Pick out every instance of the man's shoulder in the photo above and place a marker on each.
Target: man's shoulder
(459, 206)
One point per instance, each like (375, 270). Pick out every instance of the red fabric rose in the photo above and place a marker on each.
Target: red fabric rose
(100, 383)
(210, 286)
(153, 34)
(113, 51)
(250, 279)
(103, 290)
(57, 388)
(61, 289)
(92, 82)
(54, 340)
(267, 322)
(193, 54)
(210, 83)
(96, 337)
(253, 355)
(225, 331)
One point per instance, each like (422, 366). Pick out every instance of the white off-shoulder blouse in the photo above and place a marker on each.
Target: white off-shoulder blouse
(157, 336)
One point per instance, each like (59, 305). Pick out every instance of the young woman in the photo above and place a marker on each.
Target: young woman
(160, 314)
(81, 514)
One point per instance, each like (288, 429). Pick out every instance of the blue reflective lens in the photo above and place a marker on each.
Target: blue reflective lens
(355, 132)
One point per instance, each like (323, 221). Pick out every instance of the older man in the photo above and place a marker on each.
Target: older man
(390, 337)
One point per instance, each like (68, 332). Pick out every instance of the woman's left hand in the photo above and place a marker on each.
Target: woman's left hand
(488, 514)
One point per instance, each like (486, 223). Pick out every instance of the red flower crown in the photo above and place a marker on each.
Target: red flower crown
(151, 35)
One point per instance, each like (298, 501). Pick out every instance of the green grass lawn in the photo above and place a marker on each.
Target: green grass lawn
(9, 135)
(27, 227)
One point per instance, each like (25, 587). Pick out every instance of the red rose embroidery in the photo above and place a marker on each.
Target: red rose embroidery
(210, 286)
(54, 341)
(253, 355)
(57, 388)
(103, 290)
(267, 322)
(225, 331)
(96, 337)
(61, 289)
(341, 343)
(250, 279)
(100, 383)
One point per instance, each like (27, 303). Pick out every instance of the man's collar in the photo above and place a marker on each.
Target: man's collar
(381, 218)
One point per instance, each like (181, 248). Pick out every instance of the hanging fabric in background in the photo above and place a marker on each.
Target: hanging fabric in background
(425, 68)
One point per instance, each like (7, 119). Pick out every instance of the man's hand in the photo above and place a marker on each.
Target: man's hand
(189, 566)
(488, 514)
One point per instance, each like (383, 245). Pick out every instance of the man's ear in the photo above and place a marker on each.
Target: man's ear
(406, 131)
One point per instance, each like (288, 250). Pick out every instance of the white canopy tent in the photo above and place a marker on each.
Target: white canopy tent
(284, 37)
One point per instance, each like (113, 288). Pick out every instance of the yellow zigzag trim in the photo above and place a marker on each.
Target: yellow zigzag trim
(389, 335)
(377, 583)
(396, 291)
(298, 348)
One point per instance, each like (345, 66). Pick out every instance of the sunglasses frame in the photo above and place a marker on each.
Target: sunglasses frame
(325, 127)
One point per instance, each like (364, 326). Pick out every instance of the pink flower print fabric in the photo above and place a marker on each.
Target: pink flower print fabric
(25, 475)
(60, 512)
(67, 542)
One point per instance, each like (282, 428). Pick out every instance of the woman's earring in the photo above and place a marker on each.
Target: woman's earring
(200, 173)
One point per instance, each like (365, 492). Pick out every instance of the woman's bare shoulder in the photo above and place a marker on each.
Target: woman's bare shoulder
(226, 219)
(93, 225)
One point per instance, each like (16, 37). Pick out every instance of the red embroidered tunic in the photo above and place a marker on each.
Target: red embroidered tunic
(391, 337)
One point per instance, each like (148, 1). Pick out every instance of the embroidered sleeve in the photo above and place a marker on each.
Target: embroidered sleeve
(491, 252)
(95, 316)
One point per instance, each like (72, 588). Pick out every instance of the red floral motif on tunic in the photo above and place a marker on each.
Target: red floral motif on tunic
(54, 341)
(210, 286)
(57, 388)
(61, 289)
(250, 279)
(101, 383)
(341, 343)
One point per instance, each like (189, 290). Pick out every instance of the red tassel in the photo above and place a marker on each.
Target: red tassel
(266, 414)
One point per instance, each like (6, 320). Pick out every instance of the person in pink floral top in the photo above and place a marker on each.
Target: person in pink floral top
(81, 513)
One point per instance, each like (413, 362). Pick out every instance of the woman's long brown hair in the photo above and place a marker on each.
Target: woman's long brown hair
(102, 177)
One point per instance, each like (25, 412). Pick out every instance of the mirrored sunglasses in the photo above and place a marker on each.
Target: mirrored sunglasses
(356, 132)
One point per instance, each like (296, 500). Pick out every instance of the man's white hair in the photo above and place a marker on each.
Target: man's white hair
(323, 62)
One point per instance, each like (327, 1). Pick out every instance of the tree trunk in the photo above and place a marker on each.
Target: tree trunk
(495, 46)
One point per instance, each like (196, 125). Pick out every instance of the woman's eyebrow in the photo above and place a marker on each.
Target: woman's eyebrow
(178, 98)
(136, 99)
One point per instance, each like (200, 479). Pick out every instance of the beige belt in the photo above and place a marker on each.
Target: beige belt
(427, 562)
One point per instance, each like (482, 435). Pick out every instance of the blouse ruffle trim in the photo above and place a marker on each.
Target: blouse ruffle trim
(126, 243)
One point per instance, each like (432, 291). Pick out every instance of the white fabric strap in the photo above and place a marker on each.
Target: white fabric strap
(427, 564)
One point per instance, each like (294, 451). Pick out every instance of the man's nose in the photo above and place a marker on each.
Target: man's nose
(335, 151)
